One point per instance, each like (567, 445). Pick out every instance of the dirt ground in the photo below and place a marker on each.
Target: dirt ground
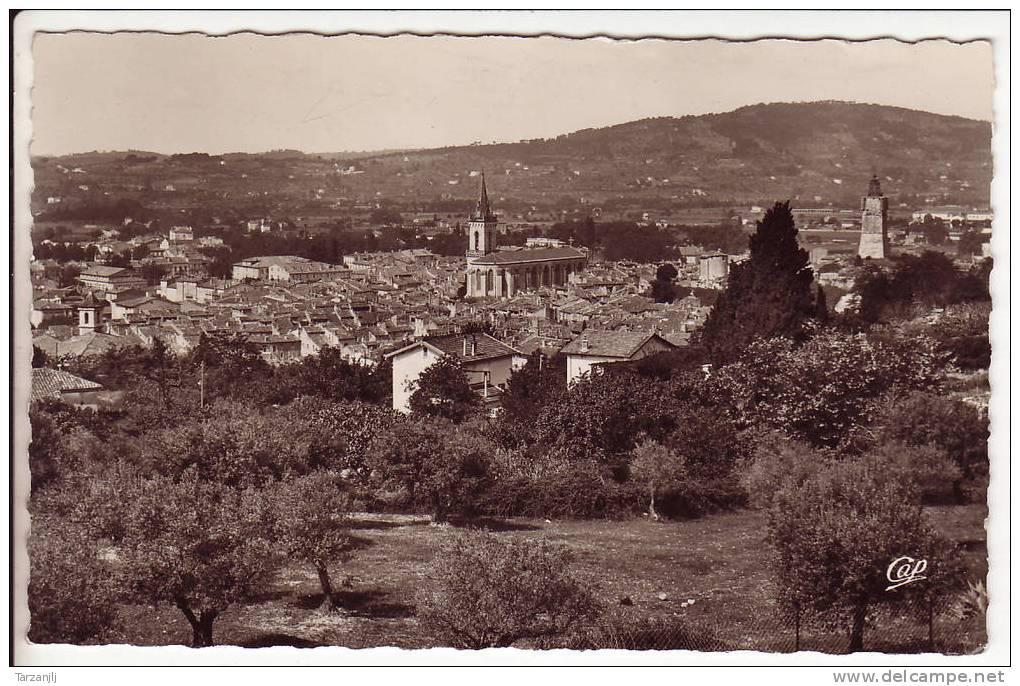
(708, 573)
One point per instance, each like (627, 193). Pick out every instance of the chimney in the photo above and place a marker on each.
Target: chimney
(584, 344)
(474, 345)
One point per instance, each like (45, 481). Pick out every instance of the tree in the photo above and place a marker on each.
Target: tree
(329, 375)
(436, 462)
(834, 534)
(442, 391)
(311, 524)
(768, 295)
(666, 272)
(824, 390)
(339, 433)
(197, 546)
(599, 418)
(528, 390)
(485, 591)
(930, 278)
(232, 444)
(152, 272)
(663, 288)
(40, 358)
(657, 467)
(934, 230)
(970, 243)
(72, 593)
(233, 367)
(928, 419)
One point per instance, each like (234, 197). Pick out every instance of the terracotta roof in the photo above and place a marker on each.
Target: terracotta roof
(480, 346)
(50, 383)
(530, 255)
(622, 344)
(104, 270)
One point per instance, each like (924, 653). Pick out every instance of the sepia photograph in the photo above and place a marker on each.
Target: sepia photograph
(420, 339)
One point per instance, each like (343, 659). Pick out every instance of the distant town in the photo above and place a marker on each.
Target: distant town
(102, 286)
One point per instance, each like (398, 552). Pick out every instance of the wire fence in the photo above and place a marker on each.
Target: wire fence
(954, 624)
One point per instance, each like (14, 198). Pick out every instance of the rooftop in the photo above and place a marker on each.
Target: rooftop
(622, 344)
(50, 383)
(531, 255)
(480, 346)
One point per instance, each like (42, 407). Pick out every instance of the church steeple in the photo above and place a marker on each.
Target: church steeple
(481, 226)
(482, 212)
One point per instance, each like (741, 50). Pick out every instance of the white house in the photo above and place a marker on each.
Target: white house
(487, 362)
(598, 347)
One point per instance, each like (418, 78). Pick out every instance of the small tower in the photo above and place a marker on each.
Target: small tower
(481, 227)
(874, 234)
(88, 314)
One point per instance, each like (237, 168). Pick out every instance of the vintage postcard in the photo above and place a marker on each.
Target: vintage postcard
(658, 344)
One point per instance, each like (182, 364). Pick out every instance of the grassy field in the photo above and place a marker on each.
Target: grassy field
(717, 561)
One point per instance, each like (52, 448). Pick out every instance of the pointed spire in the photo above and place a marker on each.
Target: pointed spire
(482, 208)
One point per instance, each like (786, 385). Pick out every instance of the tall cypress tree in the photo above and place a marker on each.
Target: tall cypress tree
(767, 295)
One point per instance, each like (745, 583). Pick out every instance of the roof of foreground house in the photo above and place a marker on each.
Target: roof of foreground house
(479, 346)
(50, 383)
(622, 344)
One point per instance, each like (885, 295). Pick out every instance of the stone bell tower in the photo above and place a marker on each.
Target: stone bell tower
(89, 312)
(874, 213)
(481, 227)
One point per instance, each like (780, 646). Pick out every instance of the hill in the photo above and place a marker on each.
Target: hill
(755, 153)
(817, 154)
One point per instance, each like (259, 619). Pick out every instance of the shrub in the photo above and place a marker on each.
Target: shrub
(931, 470)
(956, 428)
(698, 496)
(777, 462)
(485, 591)
(72, 594)
(558, 488)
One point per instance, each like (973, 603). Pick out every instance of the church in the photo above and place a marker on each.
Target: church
(504, 273)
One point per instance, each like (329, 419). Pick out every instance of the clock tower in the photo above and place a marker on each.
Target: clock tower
(874, 233)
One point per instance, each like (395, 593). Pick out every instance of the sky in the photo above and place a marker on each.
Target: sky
(249, 93)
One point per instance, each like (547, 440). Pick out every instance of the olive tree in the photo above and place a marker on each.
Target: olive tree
(196, 545)
(835, 533)
(312, 525)
(656, 467)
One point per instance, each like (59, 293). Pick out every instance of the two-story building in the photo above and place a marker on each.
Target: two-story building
(487, 362)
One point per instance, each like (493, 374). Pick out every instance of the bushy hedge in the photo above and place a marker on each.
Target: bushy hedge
(566, 490)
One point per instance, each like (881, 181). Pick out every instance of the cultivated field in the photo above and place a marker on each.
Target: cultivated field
(654, 569)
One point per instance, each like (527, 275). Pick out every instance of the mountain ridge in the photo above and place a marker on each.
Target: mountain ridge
(820, 152)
